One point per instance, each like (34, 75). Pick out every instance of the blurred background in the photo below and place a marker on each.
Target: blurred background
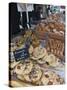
(27, 16)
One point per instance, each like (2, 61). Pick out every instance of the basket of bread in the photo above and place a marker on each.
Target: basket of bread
(53, 32)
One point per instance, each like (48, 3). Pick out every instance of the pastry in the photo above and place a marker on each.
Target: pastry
(44, 80)
(34, 75)
(13, 64)
(50, 78)
(21, 77)
(52, 60)
(23, 68)
(42, 60)
(39, 52)
(57, 79)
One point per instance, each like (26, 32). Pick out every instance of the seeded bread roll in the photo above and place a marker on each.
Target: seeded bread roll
(34, 75)
(50, 78)
(24, 67)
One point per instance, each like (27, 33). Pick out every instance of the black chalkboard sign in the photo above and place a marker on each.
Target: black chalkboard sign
(21, 54)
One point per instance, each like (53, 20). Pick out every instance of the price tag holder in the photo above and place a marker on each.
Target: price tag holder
(21, 54)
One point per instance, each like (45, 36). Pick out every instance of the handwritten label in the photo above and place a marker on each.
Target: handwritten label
(21, 54)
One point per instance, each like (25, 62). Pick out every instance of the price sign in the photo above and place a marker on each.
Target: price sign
(21, 54)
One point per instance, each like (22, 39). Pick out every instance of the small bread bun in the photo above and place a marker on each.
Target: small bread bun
(24, 68)
(34, 75)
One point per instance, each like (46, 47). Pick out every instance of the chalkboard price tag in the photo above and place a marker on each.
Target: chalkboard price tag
(21, 54)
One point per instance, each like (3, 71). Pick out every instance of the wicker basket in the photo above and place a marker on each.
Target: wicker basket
(55, 45)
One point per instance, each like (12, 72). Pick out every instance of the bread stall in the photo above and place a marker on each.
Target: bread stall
(37, 58)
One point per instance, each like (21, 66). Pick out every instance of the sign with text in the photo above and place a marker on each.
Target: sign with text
(21, 54)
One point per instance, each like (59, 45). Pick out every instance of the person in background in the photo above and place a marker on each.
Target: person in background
(23, 18)
(48, 10)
